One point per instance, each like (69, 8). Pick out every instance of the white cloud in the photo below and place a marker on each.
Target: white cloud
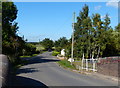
(113, 3)
(98, 7)
(102, 17)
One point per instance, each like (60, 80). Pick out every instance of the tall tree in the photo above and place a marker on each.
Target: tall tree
(12, 44)
(9, 14)
(47, 43)
(117, 38)
(106, 22)
(99, 33)
(82, 31)
(62, 42)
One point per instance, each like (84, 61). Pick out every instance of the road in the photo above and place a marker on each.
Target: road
(43, 70)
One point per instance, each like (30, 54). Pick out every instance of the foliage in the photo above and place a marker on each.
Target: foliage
(29, 56)
(94, 37)
(47, 44)
(39, 47)
(68, 50)
(55, 53)
(61, 44)
(13, 45)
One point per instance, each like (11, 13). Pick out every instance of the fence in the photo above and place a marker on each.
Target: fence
(107, 66)
(87, 64)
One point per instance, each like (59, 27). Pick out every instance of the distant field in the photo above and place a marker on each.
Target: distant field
(39, 47)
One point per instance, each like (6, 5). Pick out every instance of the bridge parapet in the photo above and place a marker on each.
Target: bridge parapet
(4, 64)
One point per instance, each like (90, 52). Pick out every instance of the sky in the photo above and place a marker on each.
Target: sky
(39, 20)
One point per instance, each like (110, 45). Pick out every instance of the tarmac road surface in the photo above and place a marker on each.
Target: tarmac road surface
(42, 70)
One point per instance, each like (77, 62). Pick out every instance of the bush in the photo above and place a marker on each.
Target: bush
(58, 49)
(55, 53)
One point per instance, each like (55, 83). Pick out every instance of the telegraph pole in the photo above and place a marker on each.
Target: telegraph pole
(72, 37)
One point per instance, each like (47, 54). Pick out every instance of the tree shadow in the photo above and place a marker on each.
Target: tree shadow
(39, 59)
(24, 82)
(26, 70)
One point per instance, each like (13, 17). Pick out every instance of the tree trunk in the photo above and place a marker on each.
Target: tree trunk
(98, 52)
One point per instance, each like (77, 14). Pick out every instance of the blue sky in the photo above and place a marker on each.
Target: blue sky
(39, 20)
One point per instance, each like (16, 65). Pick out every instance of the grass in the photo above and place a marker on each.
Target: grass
(43, 51)
(17, 65)
(25, 56)
(29, 56)
(66, 64)
(55, 53)
(39, 47)
(79, 63)
(34, 55)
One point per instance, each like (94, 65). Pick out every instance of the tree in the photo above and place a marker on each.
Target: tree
(47, 43)
(60, 43)
(82, 31)
(117, 38)
(93, 36)
(12, 44)
(106, 22)
(99, 30)
(9, 14)
(117, 28)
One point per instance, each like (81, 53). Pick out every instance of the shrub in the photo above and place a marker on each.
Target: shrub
(55, 53)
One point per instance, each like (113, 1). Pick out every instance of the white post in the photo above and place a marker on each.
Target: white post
(82, 61)
(93, 65)
(92, 57)
(83, 55)
(79, 67)
(82, 64)
(86, 65)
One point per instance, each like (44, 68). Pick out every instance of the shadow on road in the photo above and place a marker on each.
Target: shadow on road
(26, 70)
(23, 82)
(40, 59)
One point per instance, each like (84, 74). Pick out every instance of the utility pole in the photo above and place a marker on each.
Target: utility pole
(39, 43)
(39, 40)
(72, 37)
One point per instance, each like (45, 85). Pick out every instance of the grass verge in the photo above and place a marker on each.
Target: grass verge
(66, 64)
(29, 56)
(16, 65)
